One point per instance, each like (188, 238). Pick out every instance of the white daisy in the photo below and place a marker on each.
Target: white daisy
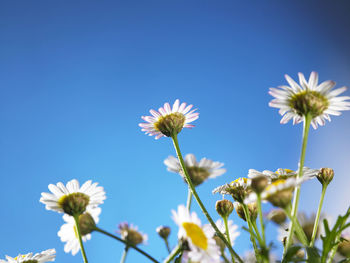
(232, 229)
(130, 233)
(45, 256)
(238, 189)
(68, 232)
(203, 247)
(73, 199)
(168, 121)
(283, 173)
(297, 100)
(198, 171)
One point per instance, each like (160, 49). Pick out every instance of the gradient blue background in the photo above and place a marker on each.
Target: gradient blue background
(75, 77)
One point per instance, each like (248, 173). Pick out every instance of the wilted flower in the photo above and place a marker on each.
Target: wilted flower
(131, 234)
(72, 199)
(68, 231)
(308, 98)
(198, 171)
(238, 189)
(45, 256)
(169, 121)
(202, 246)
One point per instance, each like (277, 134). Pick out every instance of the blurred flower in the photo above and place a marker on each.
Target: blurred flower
(168, 121)
(277, 216)
(249, 257)
(306, 223)
(252, 210)
(202, 246)
(238, 189)
(68, 232)
(344, 245)
(131, 234)
(232, 229)
(296, 101)
(282, 173)
(45, 256)
(198, 171)
(72, 199)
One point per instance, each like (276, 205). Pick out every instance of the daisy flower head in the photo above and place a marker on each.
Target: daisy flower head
(73, 199)
(309, 98)
(203, 247)
(131, 234)
(169, 121)
(282, 173)
(238, 189)
(68, 232)
(198, 171)
(45, 256)
(279, 193)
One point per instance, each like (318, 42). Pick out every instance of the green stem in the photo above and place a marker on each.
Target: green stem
(127, 244)
(261, 218)
(167, 245)
(76, 219)
(225, 258)
(173, 254)
(298, 229)
(252, 238)
(189, 199)
(204, 210)
(314, 232)
(125, 252)
(307, 122)
(227, 234)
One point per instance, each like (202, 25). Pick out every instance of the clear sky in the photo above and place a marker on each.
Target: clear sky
(75, 77)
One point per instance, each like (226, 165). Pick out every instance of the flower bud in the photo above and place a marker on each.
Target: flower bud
(344, 248)
(224, 208)
(163, 231)
(278, 216)
(86, 223)
(325, 176)
(252, 209)
(259, 183)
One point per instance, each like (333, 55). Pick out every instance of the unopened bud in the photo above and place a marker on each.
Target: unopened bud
(281, 198)
(259, 183)
(325, 176)
(219, 243)
(278, 216)
(344, 248)
(163, 231)
(224, 208)
(86, 223)
(252, 209)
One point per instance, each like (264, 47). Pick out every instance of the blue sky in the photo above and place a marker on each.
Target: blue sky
(75, 77)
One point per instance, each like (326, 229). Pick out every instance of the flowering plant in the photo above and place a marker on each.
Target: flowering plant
(213, 241)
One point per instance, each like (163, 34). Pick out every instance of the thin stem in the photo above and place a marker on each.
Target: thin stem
(252, 238)
(225, 258)
(298, 229)
(261, 218)
(227, 233)
(76, 219)
(167, 245)
(127, 243)
(204, 210)
(125, 252)
(173, 254)
(314, 232)
(307, 122)
(189, 199)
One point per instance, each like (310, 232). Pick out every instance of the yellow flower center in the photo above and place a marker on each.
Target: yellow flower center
(287, 170)
(196, 234)
(245, 180)
(275, 183)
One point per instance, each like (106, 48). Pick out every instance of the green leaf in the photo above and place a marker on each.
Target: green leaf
(312, 255)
